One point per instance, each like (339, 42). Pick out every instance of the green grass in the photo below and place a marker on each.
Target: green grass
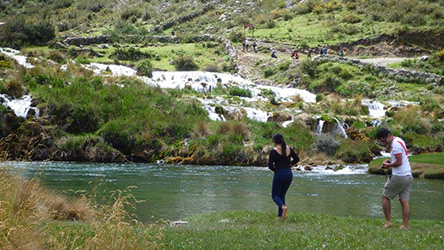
(428, 165)
(260, 230)
(309, 29)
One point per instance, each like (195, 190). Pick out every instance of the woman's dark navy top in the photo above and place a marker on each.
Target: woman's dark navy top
(277, 161)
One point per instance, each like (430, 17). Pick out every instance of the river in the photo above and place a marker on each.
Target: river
(171, 192)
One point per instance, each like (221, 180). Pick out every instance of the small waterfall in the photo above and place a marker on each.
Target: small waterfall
(286, 123)
(20, 106)
(15, 54)
(375, 108)
(320, 126)
(340, 128)
(116, 70)
(256, 114)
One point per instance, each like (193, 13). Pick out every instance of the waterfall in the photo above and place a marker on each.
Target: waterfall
(375, 108)
(340, 128)
(256, 114)
(286, 123)
(320, 126)
(15, 54)
(20, 106)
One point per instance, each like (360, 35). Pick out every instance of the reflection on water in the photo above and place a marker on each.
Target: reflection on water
(175, 191)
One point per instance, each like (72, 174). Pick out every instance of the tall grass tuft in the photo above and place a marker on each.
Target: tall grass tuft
(32, 217)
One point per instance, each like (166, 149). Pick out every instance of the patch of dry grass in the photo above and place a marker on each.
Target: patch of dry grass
(32, 217)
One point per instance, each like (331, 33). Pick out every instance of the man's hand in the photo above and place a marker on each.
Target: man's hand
(386, 163)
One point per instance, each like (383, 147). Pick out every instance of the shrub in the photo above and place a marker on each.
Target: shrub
(319, 97)
(269, 71)
(131, 54)
(440, 55)
(326, 143)
(145, 68)
(6, 64)
(414, 19)
(17, 32)
(351, 18)
(57, 56)
(284, 66)
(270, 24)
(185, 63)
(355, 151)
(236, 91)
(212, 67)
(235, 37)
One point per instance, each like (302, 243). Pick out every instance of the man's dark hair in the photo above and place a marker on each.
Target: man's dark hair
(382, 133)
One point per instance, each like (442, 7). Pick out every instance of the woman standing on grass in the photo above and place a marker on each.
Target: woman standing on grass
(280, 160)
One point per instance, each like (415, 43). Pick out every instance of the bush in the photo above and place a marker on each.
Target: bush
(17, 32)
(284, 66)
(326, 143)
(131, 54)
(319, 97)
(269, 71)
(355, 151)
(351, 18)
(185, 63)
(440, 55)
(145, 68)
(57, 56)
(212, 67)
(236, 91)
(414, 19)
(235, 37)
(270, 24)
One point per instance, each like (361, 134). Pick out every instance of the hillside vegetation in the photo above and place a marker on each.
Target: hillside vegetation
(86, 117)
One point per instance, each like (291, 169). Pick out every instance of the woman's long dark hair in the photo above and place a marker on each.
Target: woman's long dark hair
(279, 138)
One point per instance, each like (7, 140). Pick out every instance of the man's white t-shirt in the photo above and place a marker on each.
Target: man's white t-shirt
(398, 147)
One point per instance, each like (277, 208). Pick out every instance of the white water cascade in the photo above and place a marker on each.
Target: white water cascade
(15, 54)
(320, 126)
(20, 106)
(340, 128)
(375, 108)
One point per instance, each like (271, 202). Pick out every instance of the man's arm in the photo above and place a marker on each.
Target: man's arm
(395, 164)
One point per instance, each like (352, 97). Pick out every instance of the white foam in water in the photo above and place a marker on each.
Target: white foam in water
(329, 170)
(375, 108)
(116, 70)
(15, 54)
(256, 114)
(20, 106)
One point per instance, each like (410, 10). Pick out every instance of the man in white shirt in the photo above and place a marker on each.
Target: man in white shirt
(400, 182)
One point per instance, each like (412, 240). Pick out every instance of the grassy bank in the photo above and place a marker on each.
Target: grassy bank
(429, 166)
(32, 217)
(258, 230)
(29, 220)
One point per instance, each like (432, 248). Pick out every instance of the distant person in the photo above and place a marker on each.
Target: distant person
(173, 33)
(244, 44)
(400, 182)
(309, 53)
(273, 54)
(280, 160)
(325, 51)
(341, 53)
(294, 55)
(321, 51)
(247, 44)
(254, 46)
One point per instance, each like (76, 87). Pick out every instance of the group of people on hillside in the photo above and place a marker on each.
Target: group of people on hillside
(246, 45)
(282, 157)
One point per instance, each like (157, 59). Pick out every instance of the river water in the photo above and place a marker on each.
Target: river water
(171, 192)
